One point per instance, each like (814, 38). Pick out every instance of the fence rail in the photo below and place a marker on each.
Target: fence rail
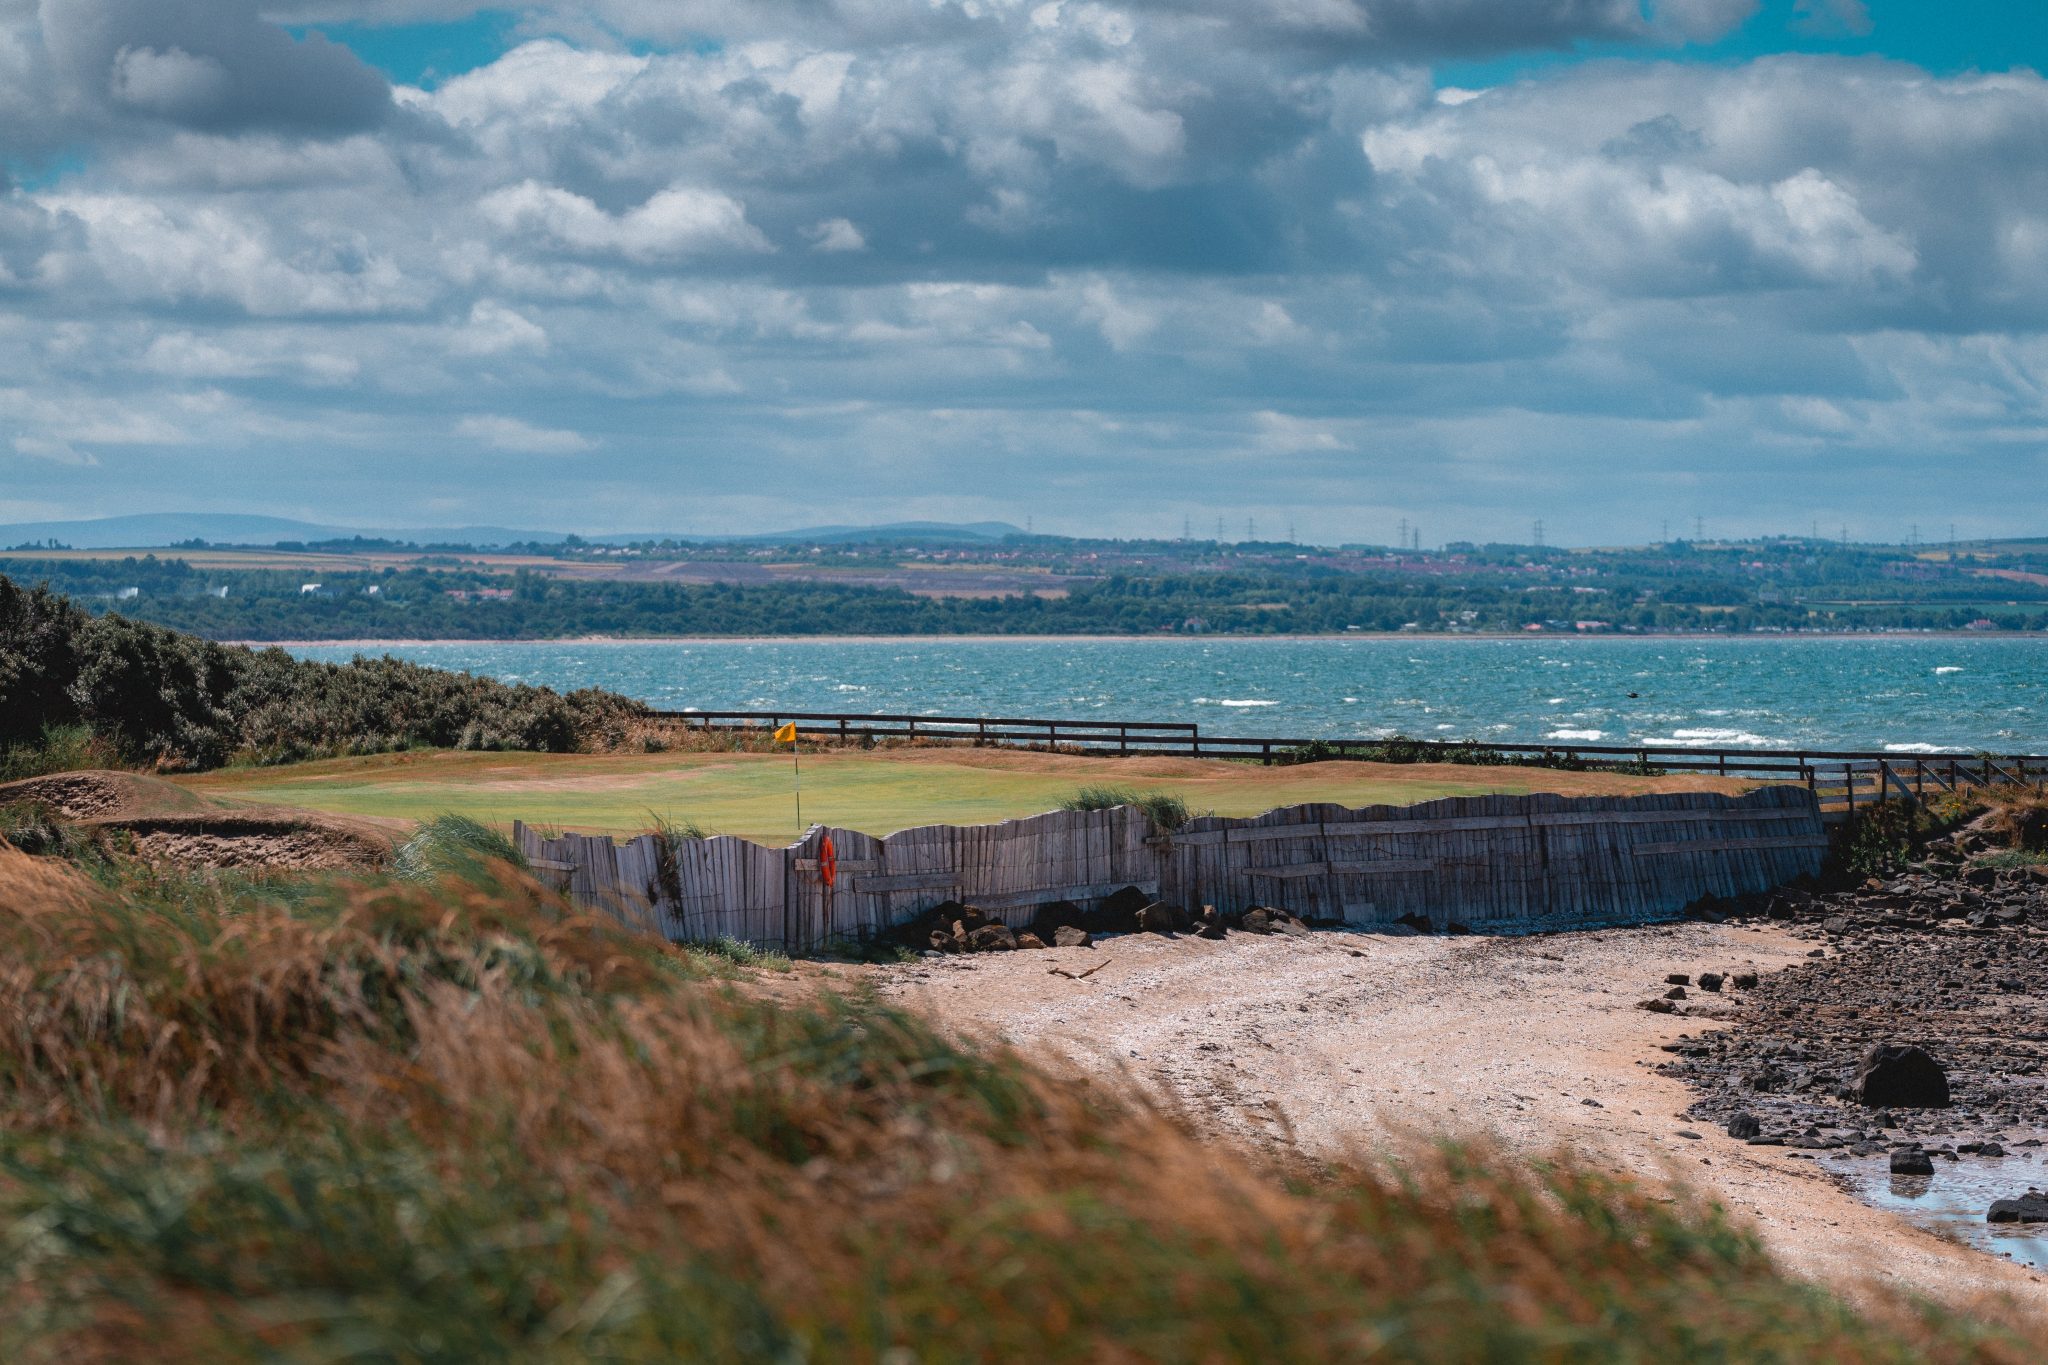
(1843, 780)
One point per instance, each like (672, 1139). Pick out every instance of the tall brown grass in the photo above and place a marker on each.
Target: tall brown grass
(454, 1121)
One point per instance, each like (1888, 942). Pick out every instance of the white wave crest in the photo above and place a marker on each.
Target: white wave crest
(1715, 738)
(1232, 701)
(1949, 668)
(1915, 748)
(1576, 734)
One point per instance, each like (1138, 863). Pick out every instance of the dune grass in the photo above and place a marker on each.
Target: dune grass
(876, 792)
(448, 1121)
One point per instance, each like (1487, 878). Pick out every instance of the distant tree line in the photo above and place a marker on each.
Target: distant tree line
(157, 696)
(461, 603)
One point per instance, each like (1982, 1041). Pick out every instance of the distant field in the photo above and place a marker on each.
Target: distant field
(879, 792)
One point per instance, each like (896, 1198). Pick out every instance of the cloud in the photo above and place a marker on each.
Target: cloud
(1047, 249)
(836, 234)
(511, 434)
(675, 223)
(209, 64)
(1832, 16)
(53, 451)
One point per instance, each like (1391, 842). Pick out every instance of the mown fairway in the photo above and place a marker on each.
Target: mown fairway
(878, 792)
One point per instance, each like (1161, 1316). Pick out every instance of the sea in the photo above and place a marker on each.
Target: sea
(1903, 694)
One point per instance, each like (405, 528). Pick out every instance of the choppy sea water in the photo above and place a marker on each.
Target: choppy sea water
(1897, 693)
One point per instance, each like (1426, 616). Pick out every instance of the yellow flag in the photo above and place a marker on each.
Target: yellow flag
(787, 734)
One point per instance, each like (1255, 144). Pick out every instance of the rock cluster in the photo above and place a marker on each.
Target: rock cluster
(956, 928)
(1920, 1026)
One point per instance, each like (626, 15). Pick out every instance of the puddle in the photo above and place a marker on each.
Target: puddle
(1952, 1201)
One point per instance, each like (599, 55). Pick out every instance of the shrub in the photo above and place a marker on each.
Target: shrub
(1882, 838)
(158, 697)
(60, 749)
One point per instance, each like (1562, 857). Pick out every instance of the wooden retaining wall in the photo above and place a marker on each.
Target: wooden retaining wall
(1488, 862)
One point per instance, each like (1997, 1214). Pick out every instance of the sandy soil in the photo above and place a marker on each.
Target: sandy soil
(173, 825)
(1344, 1041)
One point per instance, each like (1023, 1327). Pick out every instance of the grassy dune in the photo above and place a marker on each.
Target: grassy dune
(443, 1120)
(877, 792)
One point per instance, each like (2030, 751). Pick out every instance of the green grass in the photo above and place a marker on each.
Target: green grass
(878, 793)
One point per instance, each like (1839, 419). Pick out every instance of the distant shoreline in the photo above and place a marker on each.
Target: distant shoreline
(1546, 637)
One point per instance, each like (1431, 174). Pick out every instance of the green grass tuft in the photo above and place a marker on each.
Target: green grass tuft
(452, 845)
(1164, 809)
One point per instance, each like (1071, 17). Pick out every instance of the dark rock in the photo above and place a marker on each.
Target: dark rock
(1072, 936)
(1118, 913)
(1657, 1006)
(1675, 993)
(1678, 979)
(1027, 939)
(2031, 1207)
(1209, 924)
(1899, 1075)
(1711, 981)
(942, 941)
(991, 938)
(1744, 1125)
(1745, 981)
(1264, 919)
(1689, 1133)
(1991, 1149)
(1911, 1161)
(1054, 916)
(1835, 924)
(1162, 918)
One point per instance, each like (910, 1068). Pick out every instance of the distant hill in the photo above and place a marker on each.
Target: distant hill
(159, 530)
(156, 530)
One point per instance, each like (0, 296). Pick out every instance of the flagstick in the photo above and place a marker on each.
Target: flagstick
(798, 769)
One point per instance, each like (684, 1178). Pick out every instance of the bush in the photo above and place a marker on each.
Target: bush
(1882, 838)
(61, 749)
(1401, 749)
(154, 696)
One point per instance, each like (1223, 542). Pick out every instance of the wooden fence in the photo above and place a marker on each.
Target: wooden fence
(1844, 781)
(1492, 862)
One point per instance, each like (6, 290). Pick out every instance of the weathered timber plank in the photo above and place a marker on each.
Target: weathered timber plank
(909, 881)
(1731, 845)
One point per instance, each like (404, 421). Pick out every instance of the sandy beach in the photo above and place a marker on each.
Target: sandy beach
(1341, 1043)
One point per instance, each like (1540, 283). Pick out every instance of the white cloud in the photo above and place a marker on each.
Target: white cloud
(512, 434)
(836, 234)
(53, 451)
(677, 222)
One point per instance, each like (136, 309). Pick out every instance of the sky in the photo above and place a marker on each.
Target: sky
(1627, 267)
